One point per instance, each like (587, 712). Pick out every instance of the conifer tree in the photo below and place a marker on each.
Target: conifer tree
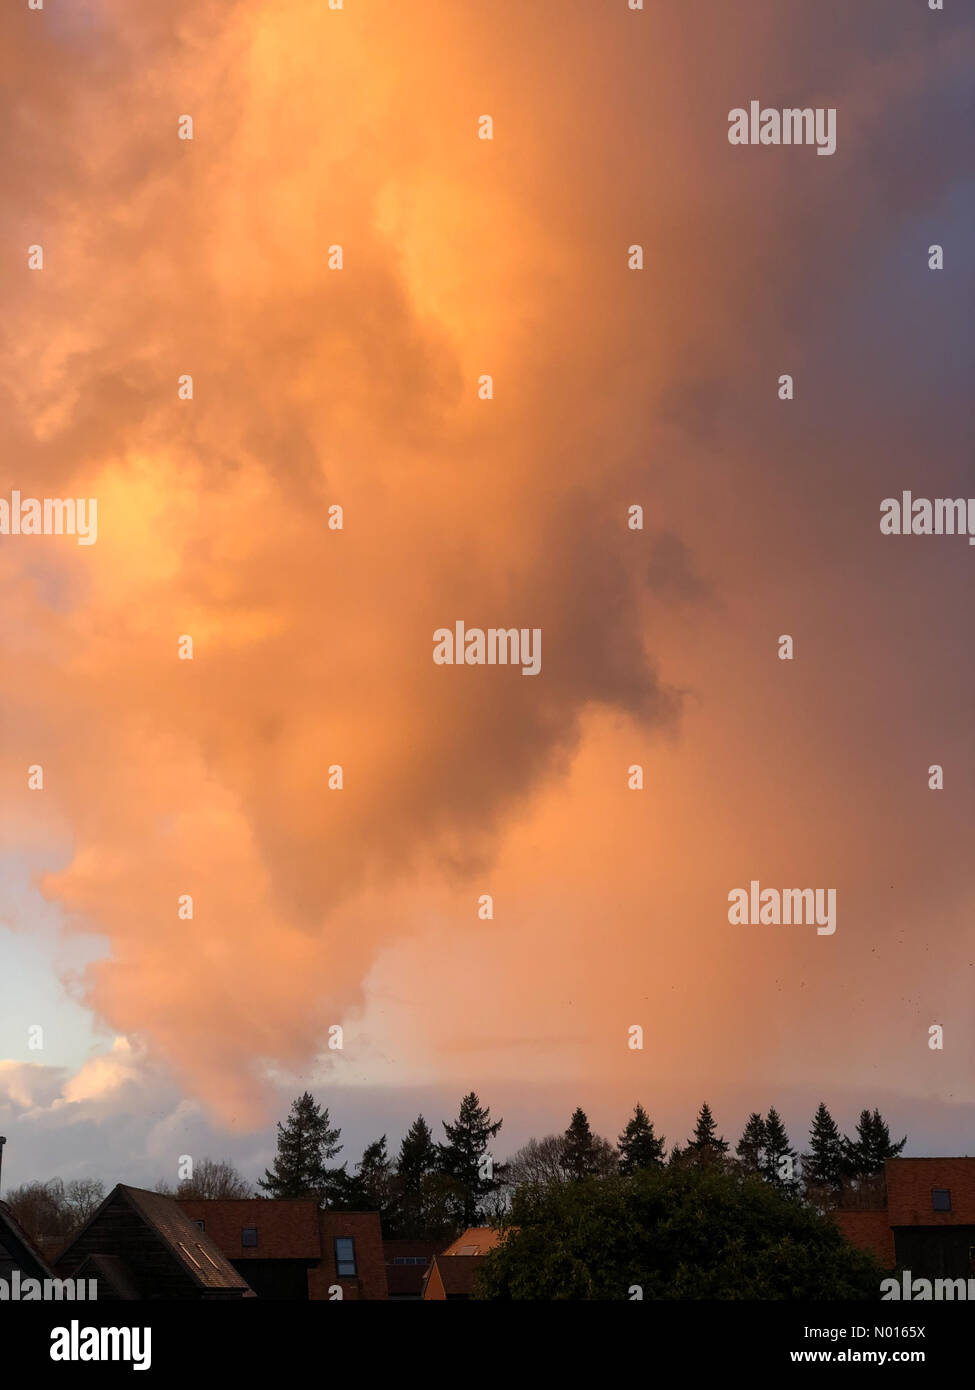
(865, 1155)
(780, 1158)
(581, 1151)
(751, 1145)
(417, 1155)
(466, 1160)
(855, 1159)
(883, 1146)
(706, 1146)
(638, 1146)
(416, 1172)
(305, 1144)
(822, 1167)
(369, 1188)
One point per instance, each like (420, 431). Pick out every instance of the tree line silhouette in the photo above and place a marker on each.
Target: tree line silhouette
(430, 1189)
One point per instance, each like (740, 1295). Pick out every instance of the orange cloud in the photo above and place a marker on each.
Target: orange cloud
(312, 647)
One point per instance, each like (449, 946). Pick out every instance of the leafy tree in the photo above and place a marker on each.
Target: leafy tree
(693, 1231)
(780, 1158)
(638, 1146)
(751, 1145)
(822, 1167)
(706, 1146)
(465, 1158)
(678, 1156)
(305, 1144)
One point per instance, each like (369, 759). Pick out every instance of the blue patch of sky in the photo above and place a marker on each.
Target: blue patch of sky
(35, 956)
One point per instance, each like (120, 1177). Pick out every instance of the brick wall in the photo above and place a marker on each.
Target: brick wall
(297, 1230)
(909, 1185)
(286, 1230)
(868, 1230)
(365, 1229)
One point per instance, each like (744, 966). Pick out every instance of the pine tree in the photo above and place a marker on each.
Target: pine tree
(882, 1146)
(677, 1156)
(466, 1160)
(417, 1156)
(751, 1145)
(581, 1151)
(779, 1166)
(865, 1156)
(340, 1190)
(638, 1146)
(706, 1146)
(855, 1159)
(419, 1190)
(305, 1144)
(822, 1167)
(369, 1188)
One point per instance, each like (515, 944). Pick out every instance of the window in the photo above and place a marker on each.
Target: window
(345, 1257)
(410, 1260)
(248, 1236)
(201, 1225)
(941, 1199)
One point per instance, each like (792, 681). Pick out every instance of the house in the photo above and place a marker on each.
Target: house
(927, 1224)
(292, 1249)
(407, 1262)
(18, 1252)
(141, 1245)
(451, 1275)
(476, 1240)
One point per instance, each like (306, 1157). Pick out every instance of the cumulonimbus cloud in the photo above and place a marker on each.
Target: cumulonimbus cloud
(314, 386)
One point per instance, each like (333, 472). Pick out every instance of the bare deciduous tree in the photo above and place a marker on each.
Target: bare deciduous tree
(50, 1210)
(84, 1196)
(211, 1178)
(538, 1162)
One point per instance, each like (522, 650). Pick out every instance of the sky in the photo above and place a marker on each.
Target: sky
(358, 387)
